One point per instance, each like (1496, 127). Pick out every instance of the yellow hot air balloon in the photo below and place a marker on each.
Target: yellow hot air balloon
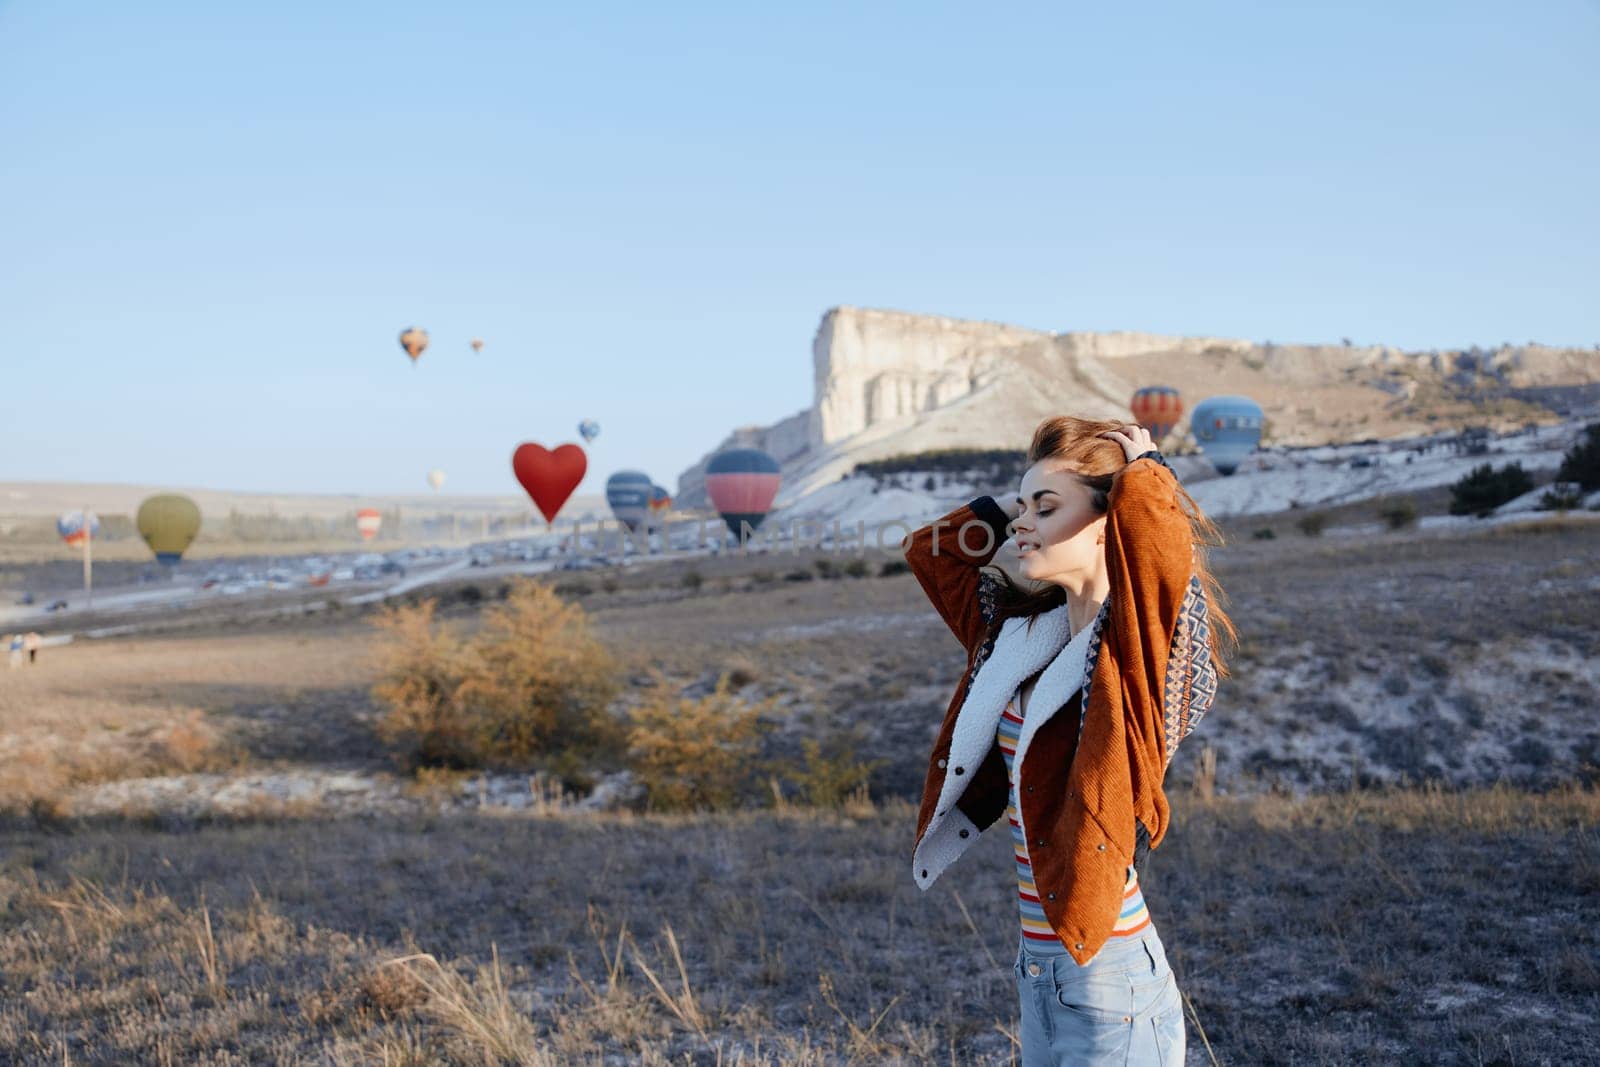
(414, 341)
(168, 523)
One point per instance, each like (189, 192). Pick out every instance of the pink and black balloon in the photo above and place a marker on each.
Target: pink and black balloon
(741, 483)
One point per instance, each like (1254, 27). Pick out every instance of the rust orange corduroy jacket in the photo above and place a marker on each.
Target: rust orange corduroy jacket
(1087, 802)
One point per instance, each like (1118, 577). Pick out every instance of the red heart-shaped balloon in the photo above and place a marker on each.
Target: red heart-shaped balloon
(549, 477)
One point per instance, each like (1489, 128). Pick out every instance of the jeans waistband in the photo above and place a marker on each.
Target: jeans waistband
(1117, 954)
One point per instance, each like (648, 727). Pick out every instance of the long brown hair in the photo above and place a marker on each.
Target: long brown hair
(1095, 461)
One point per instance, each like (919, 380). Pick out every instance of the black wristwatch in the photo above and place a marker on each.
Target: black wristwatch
(1158, 457)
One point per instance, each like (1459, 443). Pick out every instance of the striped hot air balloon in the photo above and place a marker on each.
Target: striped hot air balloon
(628, 493)
(741, 483)
(1157, 408)
(589, 429)
(368, 522)
(168, 523)
(76, 527)
(1228, 429)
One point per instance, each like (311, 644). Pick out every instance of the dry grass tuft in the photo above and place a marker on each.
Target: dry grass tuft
(478, 1012)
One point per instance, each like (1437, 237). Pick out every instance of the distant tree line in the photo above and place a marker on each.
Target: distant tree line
(1002, 464)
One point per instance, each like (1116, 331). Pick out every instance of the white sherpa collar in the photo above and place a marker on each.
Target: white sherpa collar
(1020, 650)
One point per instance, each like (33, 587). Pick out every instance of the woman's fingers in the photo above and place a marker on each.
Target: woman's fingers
(1134, 439)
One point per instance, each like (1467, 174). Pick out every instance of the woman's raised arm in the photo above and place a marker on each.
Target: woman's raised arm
(946, 556)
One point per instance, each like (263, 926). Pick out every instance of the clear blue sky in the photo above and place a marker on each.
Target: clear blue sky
(215, 218)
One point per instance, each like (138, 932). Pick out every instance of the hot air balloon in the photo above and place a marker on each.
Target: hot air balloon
(1157, 408)
(76, 527)
(660, 499)
(436, 480)
(168, 523)
(549, 477)
(741, 483)
(1228, 429)
(628, 493)
(414, 341)
(589, 429)
(477, 344)
(368, 522)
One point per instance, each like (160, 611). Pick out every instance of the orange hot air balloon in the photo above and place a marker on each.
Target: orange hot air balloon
(477, 344)
(414, 341)
(1157, 408)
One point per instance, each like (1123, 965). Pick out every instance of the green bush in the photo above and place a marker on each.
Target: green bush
(1264, 534)
(1398, 513)
(1562, 496)
(798, 576)
(1486, 488)
(692, 579)
(856, 568)
(826, 568)
(1312, 523)
(892, 567)
(1581, 464)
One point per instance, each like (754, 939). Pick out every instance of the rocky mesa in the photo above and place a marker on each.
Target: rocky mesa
(892, 382)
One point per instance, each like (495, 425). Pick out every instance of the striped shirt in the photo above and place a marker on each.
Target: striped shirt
(1036, 929)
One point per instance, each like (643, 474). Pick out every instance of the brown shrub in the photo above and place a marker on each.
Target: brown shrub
(695, 755)
(528, 691)
(830, 775)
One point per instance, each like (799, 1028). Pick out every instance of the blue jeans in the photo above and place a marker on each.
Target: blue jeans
(1121, 1008)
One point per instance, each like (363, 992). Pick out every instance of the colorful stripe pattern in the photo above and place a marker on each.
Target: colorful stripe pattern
(1036, 929)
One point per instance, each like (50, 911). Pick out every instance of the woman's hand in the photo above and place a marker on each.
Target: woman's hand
(1135, 440)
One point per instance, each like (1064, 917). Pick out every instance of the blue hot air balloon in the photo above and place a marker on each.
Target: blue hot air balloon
(589, 429)
(1228, 429)
(741, 483)
(628, 493)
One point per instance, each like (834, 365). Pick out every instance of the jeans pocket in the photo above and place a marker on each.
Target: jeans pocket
(1093, 1020)
(1171, 1040)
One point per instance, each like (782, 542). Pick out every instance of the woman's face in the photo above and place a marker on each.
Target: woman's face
(1057, 532)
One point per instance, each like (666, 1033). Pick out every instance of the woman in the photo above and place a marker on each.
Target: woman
(1077, 690)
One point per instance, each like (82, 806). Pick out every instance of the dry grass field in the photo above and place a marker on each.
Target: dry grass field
(1398, 861)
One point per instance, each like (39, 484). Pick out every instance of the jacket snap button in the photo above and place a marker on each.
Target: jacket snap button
(961, 770)
(1100, 848)
(1050, 896)
(942, 764)
(1030, 789)
(1039, 843)
(963, 833)
(1078, 945)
